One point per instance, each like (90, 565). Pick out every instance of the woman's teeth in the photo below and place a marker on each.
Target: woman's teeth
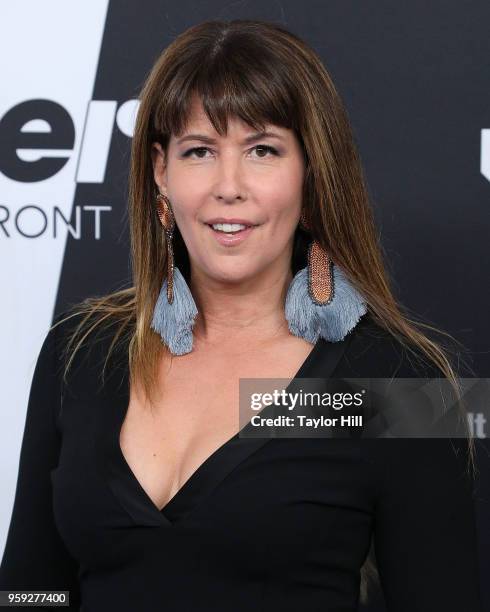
(228, 227)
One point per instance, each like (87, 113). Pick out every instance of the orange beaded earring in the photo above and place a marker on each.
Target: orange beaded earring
(166, 216)
(320, 270)
(321, 302)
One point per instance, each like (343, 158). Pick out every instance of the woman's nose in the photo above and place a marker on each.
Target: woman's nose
(229, 181)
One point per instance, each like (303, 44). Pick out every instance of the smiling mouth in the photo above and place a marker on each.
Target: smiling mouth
(232, 234)
(230, 229)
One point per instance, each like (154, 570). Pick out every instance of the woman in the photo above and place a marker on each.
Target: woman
(254, 255)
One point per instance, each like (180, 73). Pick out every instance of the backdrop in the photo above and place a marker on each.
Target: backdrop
(414, 77)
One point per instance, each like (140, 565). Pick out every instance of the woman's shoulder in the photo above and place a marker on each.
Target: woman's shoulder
(373, 351)
(83, 341)
(86, 326)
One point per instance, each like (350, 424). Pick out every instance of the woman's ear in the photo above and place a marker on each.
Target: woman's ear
(159, 167)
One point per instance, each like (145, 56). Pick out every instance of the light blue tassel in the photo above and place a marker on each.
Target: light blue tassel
(331, 321)
(174, 321)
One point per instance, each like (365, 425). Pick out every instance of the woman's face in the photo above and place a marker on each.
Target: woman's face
(240, 178)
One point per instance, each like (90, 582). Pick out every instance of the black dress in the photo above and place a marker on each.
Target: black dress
(264, 524)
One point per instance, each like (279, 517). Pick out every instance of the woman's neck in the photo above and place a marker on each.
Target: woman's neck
(249, 312)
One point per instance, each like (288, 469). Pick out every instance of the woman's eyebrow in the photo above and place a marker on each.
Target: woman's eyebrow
(251, 138)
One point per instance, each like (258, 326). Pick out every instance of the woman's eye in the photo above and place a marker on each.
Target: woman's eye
(190, 152)
(197, 150)
(266, 148)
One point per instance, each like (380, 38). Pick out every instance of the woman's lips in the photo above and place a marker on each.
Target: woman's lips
(229, 239)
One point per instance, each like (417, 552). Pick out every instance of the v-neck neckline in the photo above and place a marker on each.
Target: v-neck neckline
(320, 362)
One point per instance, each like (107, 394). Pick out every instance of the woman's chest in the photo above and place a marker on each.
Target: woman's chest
(165, 447)
(280, 502)
(197, 412)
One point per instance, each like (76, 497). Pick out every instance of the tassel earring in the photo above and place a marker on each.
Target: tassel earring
(320, 300)
(175, 310)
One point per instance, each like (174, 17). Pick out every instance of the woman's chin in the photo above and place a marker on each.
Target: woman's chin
(231, 277)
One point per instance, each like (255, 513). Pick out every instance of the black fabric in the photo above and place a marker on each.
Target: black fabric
(264, 523)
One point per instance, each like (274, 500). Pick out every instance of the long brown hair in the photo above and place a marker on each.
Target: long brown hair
(261, 73)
